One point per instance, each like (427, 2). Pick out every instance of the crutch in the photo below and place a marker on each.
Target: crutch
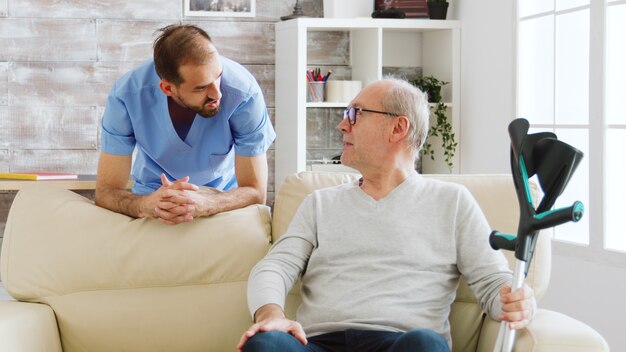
(554, 162)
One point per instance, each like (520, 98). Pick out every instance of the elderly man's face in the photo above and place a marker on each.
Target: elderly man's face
(365, 142)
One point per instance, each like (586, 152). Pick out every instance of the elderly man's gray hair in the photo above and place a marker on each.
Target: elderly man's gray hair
(405, 99)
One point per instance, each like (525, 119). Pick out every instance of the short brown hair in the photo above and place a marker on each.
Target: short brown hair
(177, 45)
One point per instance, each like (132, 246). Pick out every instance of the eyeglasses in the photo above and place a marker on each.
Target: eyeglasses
(350, 113)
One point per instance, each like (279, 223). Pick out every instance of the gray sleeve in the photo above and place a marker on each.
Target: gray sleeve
(272, 277)
(484, 269)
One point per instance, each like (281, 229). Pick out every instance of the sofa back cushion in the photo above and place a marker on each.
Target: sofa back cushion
(497, 198)
(121, 284)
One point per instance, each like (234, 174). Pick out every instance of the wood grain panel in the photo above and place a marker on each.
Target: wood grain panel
(406, 73)
(50, 127)
(272, 112)
(4, 83)
(6, 199)
(264, 74)
(334, 137)
(244, 42)
(85, 84)
(61, 83)
(4, 155)
(272, 10)
(328, 48)
(78, 161)
(266, 10)
(99, 114)
(24, 39)
(312, 8)
(135, 9)
(316, 128)
(120, 40)
(5, 135)
(270, 165)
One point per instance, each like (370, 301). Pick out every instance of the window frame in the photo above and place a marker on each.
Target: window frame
(597, 128)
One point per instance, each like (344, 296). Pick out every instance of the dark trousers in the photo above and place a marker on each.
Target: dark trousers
(417, 340)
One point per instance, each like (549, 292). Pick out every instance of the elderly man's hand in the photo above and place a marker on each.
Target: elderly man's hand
(518, 307)
(271, 317)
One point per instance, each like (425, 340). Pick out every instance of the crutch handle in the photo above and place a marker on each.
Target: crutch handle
(499, 240)
(559, 216)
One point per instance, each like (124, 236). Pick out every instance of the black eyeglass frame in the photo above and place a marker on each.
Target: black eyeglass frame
(351, 114)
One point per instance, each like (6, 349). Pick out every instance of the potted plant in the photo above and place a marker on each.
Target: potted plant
(440, 124)
(437, 9)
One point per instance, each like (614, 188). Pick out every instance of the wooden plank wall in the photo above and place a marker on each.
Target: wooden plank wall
(58, 60)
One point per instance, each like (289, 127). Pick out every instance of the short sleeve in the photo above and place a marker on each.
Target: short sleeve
(252, 129)
(117, 135)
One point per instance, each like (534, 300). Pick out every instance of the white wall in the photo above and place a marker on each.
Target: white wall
(487, 82)
(590, 292)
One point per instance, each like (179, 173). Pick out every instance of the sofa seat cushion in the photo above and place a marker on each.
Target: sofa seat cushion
(118, 283)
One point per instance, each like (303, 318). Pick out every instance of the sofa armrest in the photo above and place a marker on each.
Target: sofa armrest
(28, 327)
(552, 331)
(548, 332)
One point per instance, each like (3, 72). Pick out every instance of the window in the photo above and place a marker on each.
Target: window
(615, 234)
(571, 80)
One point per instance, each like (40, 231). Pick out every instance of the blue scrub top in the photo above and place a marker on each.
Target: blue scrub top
(136, 115)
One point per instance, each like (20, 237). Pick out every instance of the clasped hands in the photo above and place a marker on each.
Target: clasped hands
(175, 202)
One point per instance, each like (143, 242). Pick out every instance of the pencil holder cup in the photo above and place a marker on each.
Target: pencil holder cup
(315, 92)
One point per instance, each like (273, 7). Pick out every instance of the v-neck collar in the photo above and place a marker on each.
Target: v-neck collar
(408, 182)
(182, 118)
(167, 123)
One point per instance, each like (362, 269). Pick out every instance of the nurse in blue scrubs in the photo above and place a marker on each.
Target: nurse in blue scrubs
(189, 117)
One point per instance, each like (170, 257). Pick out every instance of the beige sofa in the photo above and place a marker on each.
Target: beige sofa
(87, 279)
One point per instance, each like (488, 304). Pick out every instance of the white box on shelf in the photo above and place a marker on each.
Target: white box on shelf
(348, 8)
(342, 91)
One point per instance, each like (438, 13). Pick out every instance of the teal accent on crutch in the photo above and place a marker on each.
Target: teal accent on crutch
(579, 210)
(509, 237)
(522, 167)
(546, 213)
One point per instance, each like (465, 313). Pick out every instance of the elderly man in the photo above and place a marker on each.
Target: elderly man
(193, 116)
(380, 259)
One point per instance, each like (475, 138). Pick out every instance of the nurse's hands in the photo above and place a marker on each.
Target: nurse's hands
(175, 202)
(180, 201)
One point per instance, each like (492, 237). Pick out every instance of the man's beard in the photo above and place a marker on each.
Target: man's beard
(202, 110)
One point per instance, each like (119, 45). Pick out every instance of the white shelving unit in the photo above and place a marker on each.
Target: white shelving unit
(433, 45)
